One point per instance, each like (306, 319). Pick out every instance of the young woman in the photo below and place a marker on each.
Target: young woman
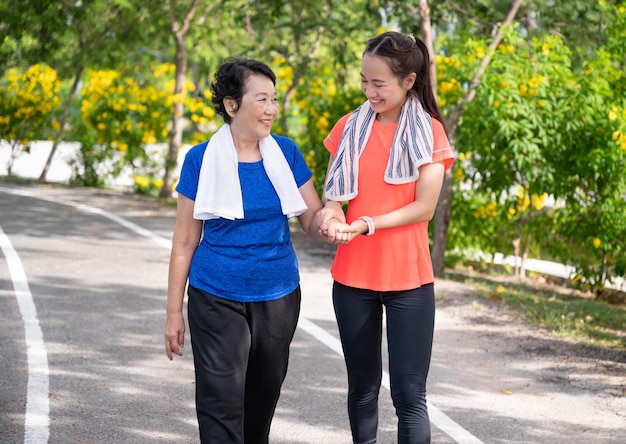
(388, 159)
(232, 244)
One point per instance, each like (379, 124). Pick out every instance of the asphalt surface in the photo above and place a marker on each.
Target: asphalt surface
(95, 269)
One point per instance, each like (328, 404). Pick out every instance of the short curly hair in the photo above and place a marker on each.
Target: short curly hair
(230, 81)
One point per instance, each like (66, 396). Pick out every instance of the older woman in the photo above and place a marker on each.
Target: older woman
(232, 243)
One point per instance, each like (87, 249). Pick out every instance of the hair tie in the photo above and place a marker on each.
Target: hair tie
(412, 37)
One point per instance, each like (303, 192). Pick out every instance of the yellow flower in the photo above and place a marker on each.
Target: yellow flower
(322, 124)
(208, 112)
(459, 174)
(596, 242)
(511, 213)
(522, 90)
(142, 181)
(445, 87)
(539, 201)
(612, 115)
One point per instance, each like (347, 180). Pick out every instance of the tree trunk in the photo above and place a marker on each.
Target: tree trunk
(427, 37)
(444, 205)
(176, 133)
(176, 136)
(62, 124)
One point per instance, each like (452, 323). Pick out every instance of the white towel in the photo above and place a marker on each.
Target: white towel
(219, 189)
(412, 147)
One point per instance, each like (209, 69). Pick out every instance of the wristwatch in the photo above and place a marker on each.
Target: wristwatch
(370, 225)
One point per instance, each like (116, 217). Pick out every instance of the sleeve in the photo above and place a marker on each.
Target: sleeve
(331, 142)
(442, 151)
(301, 171)
(190, 171)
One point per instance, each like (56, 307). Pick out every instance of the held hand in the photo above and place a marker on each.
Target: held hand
(338, 232)
(174, 334)
(332, 210)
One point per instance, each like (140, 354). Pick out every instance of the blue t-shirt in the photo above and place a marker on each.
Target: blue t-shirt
(250, 259)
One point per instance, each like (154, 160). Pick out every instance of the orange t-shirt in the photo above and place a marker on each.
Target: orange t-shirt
(396, 258)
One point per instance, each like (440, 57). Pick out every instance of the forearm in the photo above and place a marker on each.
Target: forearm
(422, 209)
(319, 224)
(413, 213)
(177, 279)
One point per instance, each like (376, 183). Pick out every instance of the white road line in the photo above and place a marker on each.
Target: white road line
(89, 209)
(437, 417)
(37, 421)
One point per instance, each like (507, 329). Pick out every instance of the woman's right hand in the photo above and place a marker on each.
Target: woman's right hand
(174, 334)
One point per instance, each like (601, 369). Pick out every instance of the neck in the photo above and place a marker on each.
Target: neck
(387, 118)
(247, 149)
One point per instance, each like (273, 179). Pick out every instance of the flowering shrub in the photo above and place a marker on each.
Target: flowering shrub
(28, 105)
(123, 121)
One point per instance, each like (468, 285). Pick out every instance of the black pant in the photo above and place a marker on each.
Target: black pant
(241, 352)
(410, 326)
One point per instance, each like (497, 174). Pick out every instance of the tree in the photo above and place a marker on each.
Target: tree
(179, 29)
(68, 35)
(442, 214)
(515, 141)
(28, 102)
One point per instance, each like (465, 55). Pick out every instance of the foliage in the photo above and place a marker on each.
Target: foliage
(592, 222)
(28, 105)
(593, 184)
(540, 132)
(515, 132)
(122, 120)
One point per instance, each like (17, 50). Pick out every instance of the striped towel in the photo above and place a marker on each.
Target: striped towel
(412, 147)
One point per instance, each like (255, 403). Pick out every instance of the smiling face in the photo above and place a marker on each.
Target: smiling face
(384, 90)
(257, 111)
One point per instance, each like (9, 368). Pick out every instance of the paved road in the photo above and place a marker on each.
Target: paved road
(82, 287)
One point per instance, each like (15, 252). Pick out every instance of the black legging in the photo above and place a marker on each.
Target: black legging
(241, 352)
(410, 324)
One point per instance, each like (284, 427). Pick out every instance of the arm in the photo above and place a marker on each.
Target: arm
(334, 225)
(427, 190)
(317, 214)
(187, 233)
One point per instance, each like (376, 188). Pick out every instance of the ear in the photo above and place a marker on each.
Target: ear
(409, 81)
(230, 105)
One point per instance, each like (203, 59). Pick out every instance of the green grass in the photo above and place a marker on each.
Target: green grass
(565, 312)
